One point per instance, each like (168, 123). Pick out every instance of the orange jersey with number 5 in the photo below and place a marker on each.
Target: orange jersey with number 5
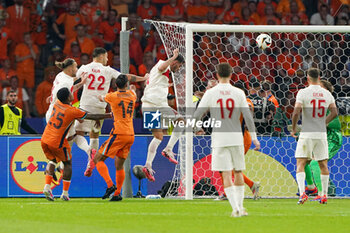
(122, 105)
(61, 119)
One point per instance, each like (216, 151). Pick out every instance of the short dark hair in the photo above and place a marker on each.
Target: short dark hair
(313, 73)
(98, 51)
(121, 81)
(63, 94)
(180, 59)
(224, 70)
(10, 92)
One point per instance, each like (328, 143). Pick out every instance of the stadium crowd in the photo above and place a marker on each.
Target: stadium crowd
(34, 36)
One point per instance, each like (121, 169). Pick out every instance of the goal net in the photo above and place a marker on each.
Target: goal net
(280, 69)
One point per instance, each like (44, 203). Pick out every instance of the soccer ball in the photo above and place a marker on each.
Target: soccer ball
(263, 41)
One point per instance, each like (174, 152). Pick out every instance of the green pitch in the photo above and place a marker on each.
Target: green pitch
(141, 216)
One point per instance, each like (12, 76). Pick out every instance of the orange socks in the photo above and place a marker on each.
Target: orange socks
(248, 181)
(48, 179)
(66, 184)
(119, 177)
(103, 170)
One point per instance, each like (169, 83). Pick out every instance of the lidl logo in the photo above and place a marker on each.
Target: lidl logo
(28, 164)
(151, 120)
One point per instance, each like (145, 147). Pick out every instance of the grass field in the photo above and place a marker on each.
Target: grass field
(140, 215)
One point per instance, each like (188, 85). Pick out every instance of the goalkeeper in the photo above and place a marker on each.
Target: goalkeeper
(335, 140)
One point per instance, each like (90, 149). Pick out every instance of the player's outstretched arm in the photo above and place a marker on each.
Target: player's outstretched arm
(248, 118)
(295, 118)
(333, 113)
(91, 116)
(167, 63)
(77, 86)
(134, 78)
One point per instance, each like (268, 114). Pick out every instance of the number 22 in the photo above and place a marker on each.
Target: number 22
(101, 79)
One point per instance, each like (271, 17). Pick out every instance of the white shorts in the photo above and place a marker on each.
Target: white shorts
(228, 158)
(316, 149)
(89, 125)
(168, 114)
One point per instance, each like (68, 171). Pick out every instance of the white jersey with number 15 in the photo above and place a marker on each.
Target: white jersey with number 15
(98, 82)
(315, 101)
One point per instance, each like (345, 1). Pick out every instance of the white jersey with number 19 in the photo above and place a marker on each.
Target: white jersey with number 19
(315, 101)
(98, 82)
(226, 104)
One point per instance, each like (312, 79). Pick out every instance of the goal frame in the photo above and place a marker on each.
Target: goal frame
(190, 30)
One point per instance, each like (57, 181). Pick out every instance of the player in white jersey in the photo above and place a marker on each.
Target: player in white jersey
(99, 77)
(313, 101)
(155, 100)
(226, 103)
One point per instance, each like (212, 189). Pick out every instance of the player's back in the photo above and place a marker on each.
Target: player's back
(226, 103)
(122, 105)
(315, 101)
(156, 90)
(62, 117)
(98, 83)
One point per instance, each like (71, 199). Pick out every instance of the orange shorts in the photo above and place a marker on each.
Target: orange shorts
(247, 140)
(26, 79)
(117, 145)
(60, 154)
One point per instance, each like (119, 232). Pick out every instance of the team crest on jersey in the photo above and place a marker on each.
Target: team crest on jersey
(27, 166)
(152, 120)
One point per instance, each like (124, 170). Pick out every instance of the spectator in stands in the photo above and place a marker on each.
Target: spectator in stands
(38, 28)
(85, 43)
(135, 49)
(284, 6)
(294, 11)
(239, 6)
(262, 5)
(110, 29)
(227, 14)
(27, 54)
(5, 36)
(6, 73)
(246, 18)
(11, 117)
(18, 20)
(212, 17)
(122, 6)
(93, 13)
(146, 10)
(270, 17)
(84, 59)
(147, 64)
(172, 12)
(43, 91)
(322, 17)
(23, 98)
(75, 52)
(69, 21)
(56, 55)
(253, 11)
(198, 11)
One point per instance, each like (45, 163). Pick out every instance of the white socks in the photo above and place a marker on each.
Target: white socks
(301, 182)
(230, 194)
(82, 143)
(324, 182)
(152, 150)
(94, 143)
(239, 196)
(65, 193)
(47, 187)
(173, 139)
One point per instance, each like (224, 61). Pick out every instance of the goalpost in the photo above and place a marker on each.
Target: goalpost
(294, 50)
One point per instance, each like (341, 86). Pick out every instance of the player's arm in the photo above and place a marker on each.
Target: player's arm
(77, 86)
(248, 118)
(332, 114)
(91, 116)
(295, 118)
(162, 67)
(135, 78)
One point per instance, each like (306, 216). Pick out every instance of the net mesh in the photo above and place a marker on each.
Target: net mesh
(279, 71)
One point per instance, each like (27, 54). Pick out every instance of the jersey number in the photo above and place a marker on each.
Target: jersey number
(128, 109)
(230, 104)
(100, 79)
(317, 105)
(59, 117)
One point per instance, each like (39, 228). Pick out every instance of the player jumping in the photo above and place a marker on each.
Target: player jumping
(314, 102)
(155, 100)
(121, 136)
(98, 83)
(54, 142)
(227, 103)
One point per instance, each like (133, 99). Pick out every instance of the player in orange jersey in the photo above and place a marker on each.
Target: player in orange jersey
(54, 142)
(121, 137)
(254, 186)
